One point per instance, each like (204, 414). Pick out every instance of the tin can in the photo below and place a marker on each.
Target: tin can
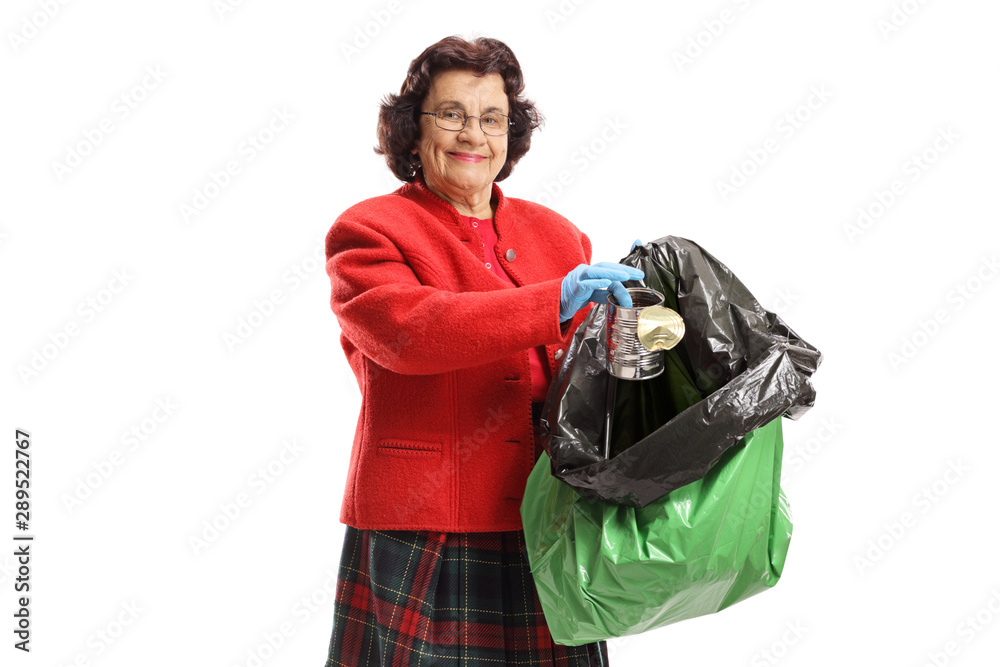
(637, 336)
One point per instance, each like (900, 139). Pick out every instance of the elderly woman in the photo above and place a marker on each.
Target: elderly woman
(455, 305)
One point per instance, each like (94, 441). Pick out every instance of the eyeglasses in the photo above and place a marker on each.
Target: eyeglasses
(493, 124)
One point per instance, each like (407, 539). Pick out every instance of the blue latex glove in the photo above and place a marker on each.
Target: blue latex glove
(586, 284)
(635, 243)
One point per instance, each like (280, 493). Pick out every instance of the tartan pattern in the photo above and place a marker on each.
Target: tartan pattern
(434, 599)
(409, 598)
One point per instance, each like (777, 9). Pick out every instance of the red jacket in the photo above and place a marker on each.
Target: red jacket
(439, 346)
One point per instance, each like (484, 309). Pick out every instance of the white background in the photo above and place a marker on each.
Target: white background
(884, 429)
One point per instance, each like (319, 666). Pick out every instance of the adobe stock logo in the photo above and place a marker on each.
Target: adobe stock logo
(105, 467)
(971, 626)
(796, 457)
(57, 342)
(371, 29)
(899, 16)
(234, 508)
(218, 180)
(224, 7)
(561, 12)
(787, 126)
(957, 298)
(780, 647)
(264, 308)
(582, 158)
(913, 168)
(924, 500)
(712, 30)
(33, 24)
(122, 106)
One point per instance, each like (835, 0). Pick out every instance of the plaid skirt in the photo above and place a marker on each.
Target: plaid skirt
(409, 598)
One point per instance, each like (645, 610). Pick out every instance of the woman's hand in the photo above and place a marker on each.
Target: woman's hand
(586, 284)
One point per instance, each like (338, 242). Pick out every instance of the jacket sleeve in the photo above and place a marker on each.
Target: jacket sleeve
(415, 329)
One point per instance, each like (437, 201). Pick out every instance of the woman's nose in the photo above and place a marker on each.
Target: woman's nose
(472, 132)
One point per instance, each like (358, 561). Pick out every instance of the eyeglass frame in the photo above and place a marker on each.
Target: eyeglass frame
(510, 123)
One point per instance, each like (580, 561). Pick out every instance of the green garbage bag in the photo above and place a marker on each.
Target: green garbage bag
(606, 570)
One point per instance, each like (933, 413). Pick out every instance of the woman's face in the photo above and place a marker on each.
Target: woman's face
(462, 165)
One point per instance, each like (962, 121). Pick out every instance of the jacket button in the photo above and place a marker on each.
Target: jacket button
(511, 255)
(557, 355)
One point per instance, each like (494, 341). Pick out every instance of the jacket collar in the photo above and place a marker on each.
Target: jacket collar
(420, 193)
(503, 223)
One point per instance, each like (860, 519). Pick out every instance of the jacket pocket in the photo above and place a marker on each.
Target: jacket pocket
(408, 448)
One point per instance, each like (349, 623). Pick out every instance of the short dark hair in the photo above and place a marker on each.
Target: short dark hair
(398, 118)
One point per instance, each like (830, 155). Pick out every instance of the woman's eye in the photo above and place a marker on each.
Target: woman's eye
(450, 115)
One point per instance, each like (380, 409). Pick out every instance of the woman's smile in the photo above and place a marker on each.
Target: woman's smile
(467, 157)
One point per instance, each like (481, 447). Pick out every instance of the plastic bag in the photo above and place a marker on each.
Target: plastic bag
(738, 367)
(686, 517)
(603, 570)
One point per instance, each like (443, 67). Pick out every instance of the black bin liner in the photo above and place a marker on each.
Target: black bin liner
(737, 367)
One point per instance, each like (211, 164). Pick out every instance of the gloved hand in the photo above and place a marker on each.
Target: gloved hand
(635, 243)
(586, 284)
